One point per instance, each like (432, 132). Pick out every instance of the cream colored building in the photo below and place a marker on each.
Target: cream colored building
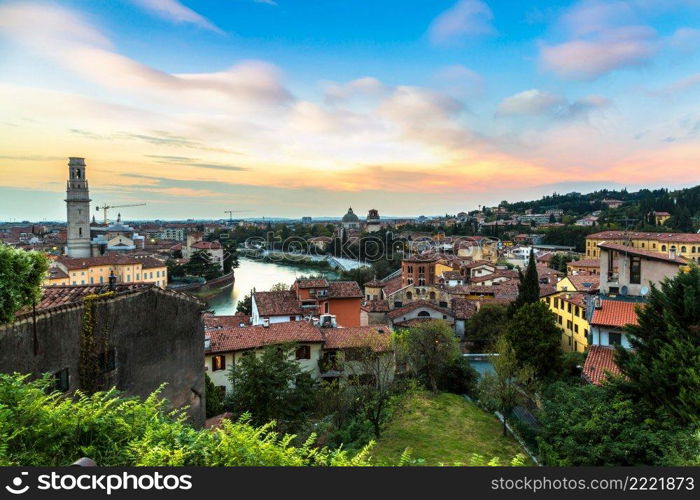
(97, 270)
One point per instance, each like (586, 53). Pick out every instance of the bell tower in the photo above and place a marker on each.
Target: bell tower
(78, 209)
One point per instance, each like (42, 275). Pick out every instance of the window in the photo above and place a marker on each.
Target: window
(443, 304)
(663, 248)
(292, 318)
(107, 361)
(568, 307)
(614, 338)
(575, 328)
(635, 270)
(303, 352)
(61, 380)
(353, 354)
(683, 249)
(327, 307)
(138, 276)
(409, 295)
(569, 325)
(424, 314)
(397, 304)
(218, 363)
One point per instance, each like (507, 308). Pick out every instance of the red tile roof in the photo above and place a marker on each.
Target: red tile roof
(375, 305)
(207, 245)
(615, 313)
(642, 253)
(312, 283)
(585, 282)
(378, 337)
(627, 235)
(252, 337)
(213, 322)
(392, 286)
(282, 303)
(103, 260)
(585, 263)
(344, 290)
(599, 363)
(463, 308)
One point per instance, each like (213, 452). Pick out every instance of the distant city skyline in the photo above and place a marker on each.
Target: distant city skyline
(291, 109)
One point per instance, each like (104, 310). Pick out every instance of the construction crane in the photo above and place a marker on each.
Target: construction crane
(231, 212)
(106, 207)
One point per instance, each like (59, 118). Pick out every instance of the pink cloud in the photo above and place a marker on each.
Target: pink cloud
(465, 19)
(613, 49)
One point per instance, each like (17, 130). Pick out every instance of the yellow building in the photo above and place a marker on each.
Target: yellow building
(660, 218)
(570, 309)
(97, 270)
(681, 244)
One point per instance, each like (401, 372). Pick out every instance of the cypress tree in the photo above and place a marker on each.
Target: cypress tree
(529, 287)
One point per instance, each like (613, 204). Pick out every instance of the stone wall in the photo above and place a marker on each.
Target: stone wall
(157, 337)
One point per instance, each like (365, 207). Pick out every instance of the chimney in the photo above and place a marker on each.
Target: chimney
(266, 322)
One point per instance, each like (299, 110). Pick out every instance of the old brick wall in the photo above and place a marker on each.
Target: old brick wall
(157, 337)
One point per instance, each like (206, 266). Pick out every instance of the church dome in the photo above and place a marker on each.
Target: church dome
(350, 216)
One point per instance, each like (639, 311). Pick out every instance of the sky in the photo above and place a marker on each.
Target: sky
(291, 108)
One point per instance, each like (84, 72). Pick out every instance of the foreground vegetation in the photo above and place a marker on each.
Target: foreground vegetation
(443, 429)
(43, 428)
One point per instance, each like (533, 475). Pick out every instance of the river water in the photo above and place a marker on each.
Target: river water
(261, 276)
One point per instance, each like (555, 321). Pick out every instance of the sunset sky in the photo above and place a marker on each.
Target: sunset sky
(305, 107)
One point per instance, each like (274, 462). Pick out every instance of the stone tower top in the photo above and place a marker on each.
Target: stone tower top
(76, 175)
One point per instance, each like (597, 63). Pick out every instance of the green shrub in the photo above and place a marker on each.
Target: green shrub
(42, 428)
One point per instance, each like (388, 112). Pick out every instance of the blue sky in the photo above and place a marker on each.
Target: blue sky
(293, 108)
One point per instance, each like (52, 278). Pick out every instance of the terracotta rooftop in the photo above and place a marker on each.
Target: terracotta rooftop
(283, 303)
(630, 235)
(585, 282)
(57, 273)
(344, 290)
(312, 283)
(378, 337)
(615, 313)
(599, 363)
(585, 263)
(375, 305)
(73, 263)
(252, 337)
(392, 286)
(463, 308)
(150, 262)
(212, 322)
(643, 253)
(206, 245)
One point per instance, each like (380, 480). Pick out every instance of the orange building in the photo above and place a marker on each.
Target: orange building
(310, 297)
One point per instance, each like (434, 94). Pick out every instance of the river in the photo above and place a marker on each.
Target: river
(261, 276)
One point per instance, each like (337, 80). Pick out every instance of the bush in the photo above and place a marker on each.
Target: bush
(458, 377)
(41, 428)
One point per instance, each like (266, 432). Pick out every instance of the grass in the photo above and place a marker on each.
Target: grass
(443, 429)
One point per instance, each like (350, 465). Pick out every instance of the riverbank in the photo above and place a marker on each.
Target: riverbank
(210, 288)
